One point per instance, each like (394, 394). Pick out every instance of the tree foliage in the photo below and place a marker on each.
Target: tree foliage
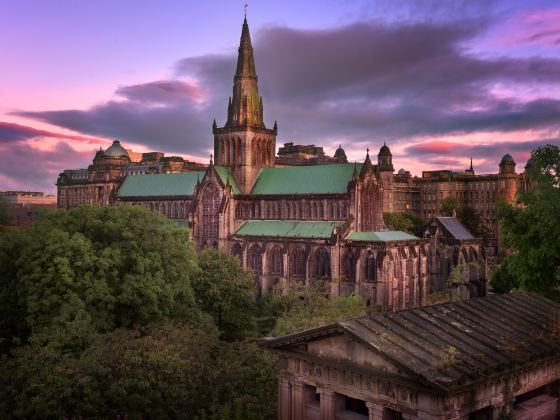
(405, 222)
(306, 306)
(449, 206)
(227, 292)
(531, 229)
(114, 267)
(168, 371)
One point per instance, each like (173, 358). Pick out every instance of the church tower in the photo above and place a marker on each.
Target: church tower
(244, 143)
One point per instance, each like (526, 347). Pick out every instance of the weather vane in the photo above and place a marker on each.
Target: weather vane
(245, 7)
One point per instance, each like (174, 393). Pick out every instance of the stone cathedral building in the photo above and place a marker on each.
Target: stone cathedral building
(300, 215)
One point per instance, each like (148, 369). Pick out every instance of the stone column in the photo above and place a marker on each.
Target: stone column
(327, 405)
(375, 410)
(284, 399)
(298, 402)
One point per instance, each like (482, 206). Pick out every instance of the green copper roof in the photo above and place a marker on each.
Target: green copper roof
(160, 185)
(314, 179)
(383, 236)
(224, 172)
(287, 228)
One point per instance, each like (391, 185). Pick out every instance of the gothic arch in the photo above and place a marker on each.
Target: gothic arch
(276, 261)
(349, 261)
(210, 210)
(322, 264)
(255, 259)
(298, 262)
(370, 267)
(237, 251)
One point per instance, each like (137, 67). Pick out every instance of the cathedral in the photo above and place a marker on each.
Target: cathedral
(296, 216)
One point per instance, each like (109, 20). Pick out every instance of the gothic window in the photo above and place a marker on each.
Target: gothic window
(307, 211)
(252, 211)
(322, 264)
(255, 259)
(257, 211)
(288, 211)
(151, 206)
(176, 210)
(298, 263)
(237, 252)
(277, 210)
(169, 210)
(210, 209)
(321, 211)
(239, 211)
(276, 261)
(182, 211)
(163, 209)
(349, 266)
(315, 211)
(370, 267)
(156, 207)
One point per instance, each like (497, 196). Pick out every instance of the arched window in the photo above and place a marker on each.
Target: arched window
(298, 263)
(151, 206)
(182, 211)
(370, 267)
(257, 211)
(163, 209)
(169, 207)
(252, 211)
(176, 210)
(210, 209)
(276, 261)
(315, 211)
(255, 259)
(321, 211)
(239, 211)
(307, 211)
(322, 264)
(237, 252)
(349, 266)
(288, 210)
(156, 207)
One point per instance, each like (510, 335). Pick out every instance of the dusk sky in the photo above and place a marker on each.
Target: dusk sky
(438, 81)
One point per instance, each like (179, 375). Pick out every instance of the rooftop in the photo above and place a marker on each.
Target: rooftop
(455, 344)
(160, 185)
(313, 179)
(454, 228)
(288, 228)
(381, 236)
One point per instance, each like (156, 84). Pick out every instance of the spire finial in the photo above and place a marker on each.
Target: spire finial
(245, 10)
(211, 159)
(471, 168)
(367, 151)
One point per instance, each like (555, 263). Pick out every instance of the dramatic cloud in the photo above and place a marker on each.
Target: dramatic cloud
(10, 132)
(359, 84)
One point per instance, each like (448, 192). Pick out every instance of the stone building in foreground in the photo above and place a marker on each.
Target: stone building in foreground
(474, 359)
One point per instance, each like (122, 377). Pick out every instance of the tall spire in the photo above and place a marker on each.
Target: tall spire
(246, 104)
(471, 168)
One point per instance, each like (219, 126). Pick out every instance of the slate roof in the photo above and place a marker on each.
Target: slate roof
(313, 179)
(381, 236)
(224, 173)
(160, 185)
(287, 228)
(455, 228)
(453, 345)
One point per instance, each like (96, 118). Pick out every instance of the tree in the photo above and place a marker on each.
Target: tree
(449, 206)
(165, 371)
(531, 229)
(306, 306)
(227, 292)
(397, 221)
(405, 222)
(113, 267)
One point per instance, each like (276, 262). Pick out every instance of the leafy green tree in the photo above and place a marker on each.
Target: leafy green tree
(449, 206)
(227, 292)
(164, 371)
(531, 229)
(306, 306)
(397, 221)
(113, 267)
(405, 222)
(5, 217)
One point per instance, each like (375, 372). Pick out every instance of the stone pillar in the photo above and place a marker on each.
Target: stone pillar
(298, 401)
(327, 405)
(284, 399)
(375, 410)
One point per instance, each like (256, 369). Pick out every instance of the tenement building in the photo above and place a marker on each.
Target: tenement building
(494, 357)
(295, 216)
